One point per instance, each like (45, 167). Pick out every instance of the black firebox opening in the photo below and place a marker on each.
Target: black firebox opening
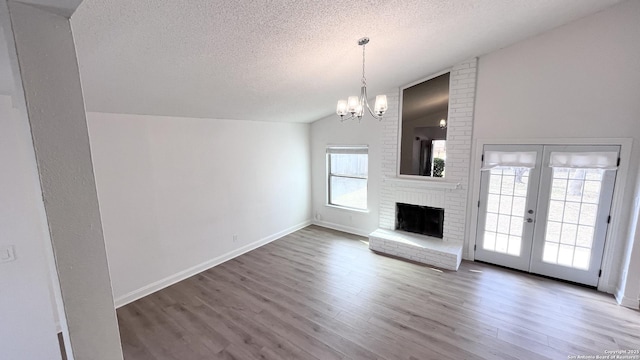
(417, 219)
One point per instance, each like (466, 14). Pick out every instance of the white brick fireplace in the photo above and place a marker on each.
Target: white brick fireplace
(449, 193)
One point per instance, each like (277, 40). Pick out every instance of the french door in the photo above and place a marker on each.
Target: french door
(545, 209)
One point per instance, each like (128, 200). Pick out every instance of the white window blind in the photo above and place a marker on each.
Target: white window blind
(347, 150)
(585, 160)
(495, 159)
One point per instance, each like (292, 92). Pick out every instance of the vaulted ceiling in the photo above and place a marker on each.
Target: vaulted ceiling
(285, 60)
(60, 7)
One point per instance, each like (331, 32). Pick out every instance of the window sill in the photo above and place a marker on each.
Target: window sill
(364, 211)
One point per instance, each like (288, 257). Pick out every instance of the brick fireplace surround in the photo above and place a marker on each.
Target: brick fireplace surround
(449, 193)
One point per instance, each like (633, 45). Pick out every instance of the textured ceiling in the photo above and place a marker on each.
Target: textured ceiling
(285, 60)
(61, 7)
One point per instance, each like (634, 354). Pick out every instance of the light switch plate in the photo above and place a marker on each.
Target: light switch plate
(7, 254)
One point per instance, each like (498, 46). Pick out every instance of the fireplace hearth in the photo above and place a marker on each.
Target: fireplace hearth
(424, 220)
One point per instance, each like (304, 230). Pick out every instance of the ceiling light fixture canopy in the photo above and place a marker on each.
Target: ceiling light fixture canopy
(354, 105)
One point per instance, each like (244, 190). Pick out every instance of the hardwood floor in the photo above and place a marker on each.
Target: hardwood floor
(321, 294)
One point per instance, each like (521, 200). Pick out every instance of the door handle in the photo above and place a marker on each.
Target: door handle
(528, 220)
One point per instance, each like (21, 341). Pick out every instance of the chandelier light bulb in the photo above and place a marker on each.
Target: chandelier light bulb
(341, 110)
(381, 104)
(353, 104)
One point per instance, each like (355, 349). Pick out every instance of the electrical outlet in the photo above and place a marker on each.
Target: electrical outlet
(235, 237)
(7, 254)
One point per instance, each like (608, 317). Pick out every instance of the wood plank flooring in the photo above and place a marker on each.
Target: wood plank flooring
(321, 294)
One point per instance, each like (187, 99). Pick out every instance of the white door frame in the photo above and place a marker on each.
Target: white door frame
(522, 261)
(589, 276)
(615, 235)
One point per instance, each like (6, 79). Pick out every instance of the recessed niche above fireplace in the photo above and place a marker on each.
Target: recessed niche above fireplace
(424, 220)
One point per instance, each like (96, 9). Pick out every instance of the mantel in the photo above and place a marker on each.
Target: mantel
(421, 184)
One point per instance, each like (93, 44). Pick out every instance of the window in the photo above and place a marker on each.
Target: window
(347, 167)
(438, 157)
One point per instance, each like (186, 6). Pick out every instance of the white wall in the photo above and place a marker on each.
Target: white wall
(174, 191)
(330, 131)
(27, 325)
(581, 80)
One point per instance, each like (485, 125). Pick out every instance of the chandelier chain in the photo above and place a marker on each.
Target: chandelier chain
(364, 79)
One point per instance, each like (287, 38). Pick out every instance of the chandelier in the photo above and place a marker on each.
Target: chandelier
(354, 106)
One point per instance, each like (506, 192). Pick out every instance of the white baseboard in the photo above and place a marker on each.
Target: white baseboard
(347, 229)
(627, 301)
(170, 280)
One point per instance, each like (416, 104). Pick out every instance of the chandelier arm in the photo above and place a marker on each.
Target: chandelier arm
(366, 103)
(347, 118)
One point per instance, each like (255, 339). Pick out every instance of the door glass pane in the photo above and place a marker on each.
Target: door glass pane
(571, 219)
(506, 204)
